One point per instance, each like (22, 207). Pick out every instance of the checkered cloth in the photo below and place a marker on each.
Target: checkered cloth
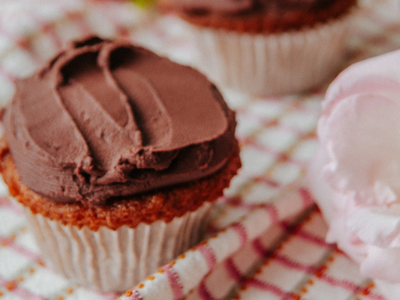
(267, 238)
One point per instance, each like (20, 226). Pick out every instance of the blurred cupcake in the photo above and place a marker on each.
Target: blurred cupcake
(355, 174)
(268, 47)
(116, 155)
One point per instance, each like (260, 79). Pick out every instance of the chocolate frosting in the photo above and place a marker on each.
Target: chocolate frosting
(104, 120)
(246, 6)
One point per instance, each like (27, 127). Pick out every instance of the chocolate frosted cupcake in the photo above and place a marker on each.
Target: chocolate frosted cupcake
(115, 154)
(268, 47)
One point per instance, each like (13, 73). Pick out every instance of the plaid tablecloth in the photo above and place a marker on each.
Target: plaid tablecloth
(274, 231)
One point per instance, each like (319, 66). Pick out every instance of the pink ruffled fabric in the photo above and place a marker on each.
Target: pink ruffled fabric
(355, 174)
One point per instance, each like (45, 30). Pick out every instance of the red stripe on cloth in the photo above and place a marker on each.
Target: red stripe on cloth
(288, 295)
(312, 270)
(9, 243)
(348, 286)
(233, 271)
(260, 249)
(204, 293)
(174, 282)
(271, 288)
(272, 212)
(208, 255)
(306, 196)
(12, 287)
(284, 260)
(306, 236)
(241, 231)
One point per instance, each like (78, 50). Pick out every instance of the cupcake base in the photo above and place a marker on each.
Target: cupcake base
(272, 64)
(115, 246)
(115, 260)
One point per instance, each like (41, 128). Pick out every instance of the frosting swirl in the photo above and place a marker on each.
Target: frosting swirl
(107, 119)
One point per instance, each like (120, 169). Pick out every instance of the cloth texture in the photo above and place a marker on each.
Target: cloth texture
(266, 239)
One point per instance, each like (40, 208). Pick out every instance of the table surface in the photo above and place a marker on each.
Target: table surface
(277, 137)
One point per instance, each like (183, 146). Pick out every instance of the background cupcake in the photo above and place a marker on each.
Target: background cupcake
(268, 47)
(104, 151)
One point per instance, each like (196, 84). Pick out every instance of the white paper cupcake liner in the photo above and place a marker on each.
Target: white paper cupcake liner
(272, 64)
(115, 260)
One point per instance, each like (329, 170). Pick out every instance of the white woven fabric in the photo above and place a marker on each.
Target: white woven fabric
(251, 253)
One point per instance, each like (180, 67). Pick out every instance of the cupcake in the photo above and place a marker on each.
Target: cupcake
(355, 174)
(268, 47)
(116, 155)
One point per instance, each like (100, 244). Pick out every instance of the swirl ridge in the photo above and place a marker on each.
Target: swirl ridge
(106, 119)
